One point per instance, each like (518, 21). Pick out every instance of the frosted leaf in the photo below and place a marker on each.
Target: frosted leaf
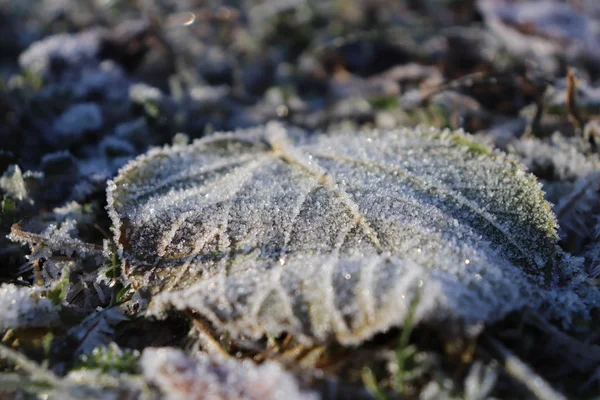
(56, 237)
(23, 308)
(12, 182)
(18, 184)
(543, 29)
(351, 298)
(95, 330)
(265, 230)
(557, 159)
(574, 211)
(72, 50)
(189, 378)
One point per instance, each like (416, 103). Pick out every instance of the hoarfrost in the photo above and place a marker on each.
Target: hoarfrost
(543, 29)
(78, 120)
(574, 211)
(63, 49)
(557, 160)
(56, 237)
(329, 236)
(23, 308)
(187, 378)
(96, 329)
(19, 184)
(12, 182)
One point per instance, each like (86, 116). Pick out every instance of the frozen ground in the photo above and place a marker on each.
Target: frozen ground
(88, 86)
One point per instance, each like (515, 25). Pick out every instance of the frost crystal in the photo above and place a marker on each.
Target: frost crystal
(329, 236)
(186, 378)
(20, 308)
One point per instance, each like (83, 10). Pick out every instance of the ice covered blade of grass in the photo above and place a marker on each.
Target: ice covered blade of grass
(327, 236)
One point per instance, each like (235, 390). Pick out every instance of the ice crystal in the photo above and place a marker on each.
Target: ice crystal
(182, 377)
(329, 236)
(23, 308)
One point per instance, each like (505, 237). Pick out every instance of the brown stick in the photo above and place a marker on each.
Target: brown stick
(574, 115)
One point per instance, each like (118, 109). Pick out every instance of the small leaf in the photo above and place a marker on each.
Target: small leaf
(95, 330)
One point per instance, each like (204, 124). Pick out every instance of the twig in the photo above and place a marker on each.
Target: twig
(37, 270)
(522, 373)
(31, 238)
(37, 372)
(68, 389)
(534, 125)
(576, 348)
(574, 115)
(13, 382)
(208, 342)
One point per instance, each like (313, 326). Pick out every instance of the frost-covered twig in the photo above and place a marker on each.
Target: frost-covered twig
(37, 372)
(76, 385)
(54, 242)
(521, 372)
(208, 342)
(572, 209)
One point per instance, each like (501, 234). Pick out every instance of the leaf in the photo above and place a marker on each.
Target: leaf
(24, 308)
(329, 236)
(96, 330)
(200, 377)
(543, 29)
(574, 211)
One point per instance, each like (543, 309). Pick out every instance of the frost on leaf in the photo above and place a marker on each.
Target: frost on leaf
(23, 308)
(95, 330)
(182, 377)
(544, 28)
(329, 236)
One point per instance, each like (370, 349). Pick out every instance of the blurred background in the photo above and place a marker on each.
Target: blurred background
(105, 79)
